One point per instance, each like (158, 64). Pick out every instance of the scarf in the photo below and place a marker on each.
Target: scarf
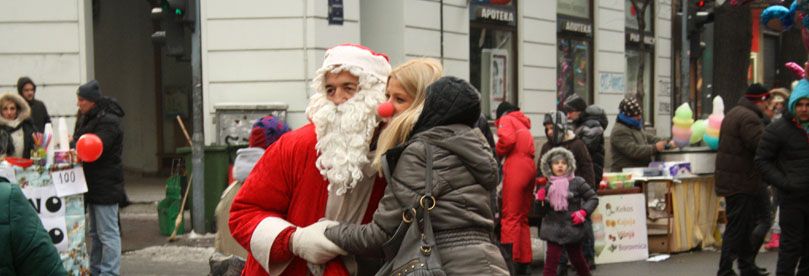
(557, 194)
(629, 121)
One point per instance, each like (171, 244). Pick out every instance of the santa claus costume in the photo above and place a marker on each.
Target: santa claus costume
(321, 170)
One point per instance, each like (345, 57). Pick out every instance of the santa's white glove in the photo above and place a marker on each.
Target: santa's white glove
(311, 244)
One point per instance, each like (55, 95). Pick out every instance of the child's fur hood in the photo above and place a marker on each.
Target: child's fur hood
(545, 165)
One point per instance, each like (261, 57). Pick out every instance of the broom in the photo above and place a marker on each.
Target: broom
(179, 219)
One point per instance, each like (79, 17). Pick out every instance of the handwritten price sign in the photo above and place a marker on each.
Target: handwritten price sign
(69, 182)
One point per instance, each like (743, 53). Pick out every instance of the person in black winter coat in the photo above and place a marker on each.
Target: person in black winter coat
(39, 113)
(105, 177)
(737, 179)
(783, 159)
(589, 123)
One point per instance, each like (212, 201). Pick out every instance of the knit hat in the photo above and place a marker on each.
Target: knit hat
(801, 91)
(21, 82)
(574, 103)
(779, 95)
(757, 93)
(90, 91)
(505, 107)
(559, 121)
(266, 131)
(630, 107)
(449, 100)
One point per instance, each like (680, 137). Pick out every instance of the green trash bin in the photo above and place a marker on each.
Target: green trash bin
(217, 165)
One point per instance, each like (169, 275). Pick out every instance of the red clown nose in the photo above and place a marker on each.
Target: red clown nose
(385, 110)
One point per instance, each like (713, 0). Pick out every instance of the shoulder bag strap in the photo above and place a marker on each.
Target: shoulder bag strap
(427, 202)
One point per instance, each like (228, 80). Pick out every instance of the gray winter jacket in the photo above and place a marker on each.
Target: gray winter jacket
(464, 175)
(557, 226)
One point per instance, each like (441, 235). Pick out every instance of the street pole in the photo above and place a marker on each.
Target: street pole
(198, 138)
(684, 58)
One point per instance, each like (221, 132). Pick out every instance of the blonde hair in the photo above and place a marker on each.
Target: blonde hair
(414, 75)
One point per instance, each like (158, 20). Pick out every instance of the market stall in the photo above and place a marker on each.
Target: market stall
(57, 197)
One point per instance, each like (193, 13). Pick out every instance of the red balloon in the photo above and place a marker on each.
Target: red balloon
(89, 147)
(385, 110)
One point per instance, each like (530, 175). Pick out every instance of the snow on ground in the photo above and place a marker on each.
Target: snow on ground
(172, 254)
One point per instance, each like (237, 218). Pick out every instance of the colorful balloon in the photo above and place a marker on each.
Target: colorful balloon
(712, 142)
(89, 147)
(697, 131)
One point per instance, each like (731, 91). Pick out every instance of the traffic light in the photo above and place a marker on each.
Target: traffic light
(700, 12)
(174, 16)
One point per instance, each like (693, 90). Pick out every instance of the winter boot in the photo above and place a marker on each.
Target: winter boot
(521, 269)
(774, 243)
(507, 253)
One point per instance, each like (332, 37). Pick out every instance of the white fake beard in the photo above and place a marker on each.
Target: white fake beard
(344, 134)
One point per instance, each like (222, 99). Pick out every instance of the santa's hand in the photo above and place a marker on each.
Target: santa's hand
(578, 217)
(311, 244)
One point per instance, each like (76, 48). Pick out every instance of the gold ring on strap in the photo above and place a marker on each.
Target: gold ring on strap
(409, 219)
(421, 202)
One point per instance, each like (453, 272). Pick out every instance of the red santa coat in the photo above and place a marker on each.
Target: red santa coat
(516, 144)
(284, 189)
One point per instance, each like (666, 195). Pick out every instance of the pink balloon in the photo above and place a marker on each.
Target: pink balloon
(715, 121)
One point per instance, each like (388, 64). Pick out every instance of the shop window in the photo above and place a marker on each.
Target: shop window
(632, 63)
(633, 56)
(492, 66)
(573, 71)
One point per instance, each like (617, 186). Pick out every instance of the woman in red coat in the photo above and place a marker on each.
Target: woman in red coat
(516, 144)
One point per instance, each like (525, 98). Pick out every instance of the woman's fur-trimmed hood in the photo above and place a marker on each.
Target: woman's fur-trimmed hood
(23, 110)
(545, 165)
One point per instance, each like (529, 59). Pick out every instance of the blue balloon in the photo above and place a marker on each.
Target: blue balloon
(712, 142)
(777, 12)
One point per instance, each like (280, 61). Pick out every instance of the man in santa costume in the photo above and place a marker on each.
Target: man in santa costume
(321, 170)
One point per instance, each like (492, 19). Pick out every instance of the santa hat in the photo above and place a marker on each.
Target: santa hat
(266, 131)
(360, 60)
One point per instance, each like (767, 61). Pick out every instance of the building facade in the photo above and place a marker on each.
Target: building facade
(531, 52)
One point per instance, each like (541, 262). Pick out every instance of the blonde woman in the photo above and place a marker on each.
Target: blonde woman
(442, 116)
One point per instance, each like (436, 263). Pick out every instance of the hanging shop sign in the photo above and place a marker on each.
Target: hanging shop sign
(494, 14)
(634, 37)
(335, 12)
(567, 25)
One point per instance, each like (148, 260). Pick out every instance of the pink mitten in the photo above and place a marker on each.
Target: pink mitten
(541, 194)
(578, 216)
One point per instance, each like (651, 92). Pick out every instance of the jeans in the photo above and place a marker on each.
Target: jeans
(794, 241)
(105, 254)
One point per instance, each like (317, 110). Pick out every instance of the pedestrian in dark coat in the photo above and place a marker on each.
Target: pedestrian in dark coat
(101, 116)
(25, 246)
(783, 159)
(515, 143)
(589, 123)
(16, 127)
(568, 201)
(559, 135)
(737, 179)
(39, 113)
